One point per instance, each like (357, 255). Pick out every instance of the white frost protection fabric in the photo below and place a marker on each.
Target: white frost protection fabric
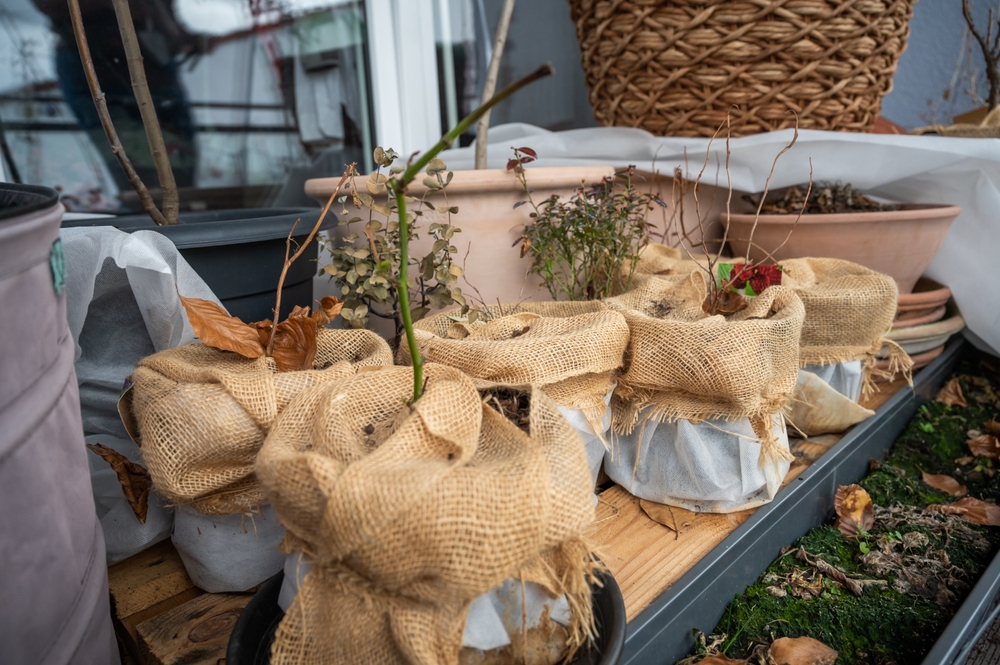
(816, 408)
(493, 616)
(122, 305)
(912, 169)
(228, 553)
(592, 442)
(708, 467)
(845, 378)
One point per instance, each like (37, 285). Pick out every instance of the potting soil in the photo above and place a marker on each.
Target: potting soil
(914, 567)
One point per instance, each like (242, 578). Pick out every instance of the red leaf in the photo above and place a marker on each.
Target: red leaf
(528, 151)
(215, 328)
(513, 164)
(134, 479)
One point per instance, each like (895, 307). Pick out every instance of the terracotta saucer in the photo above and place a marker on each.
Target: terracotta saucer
(927, 296)
(918, 318)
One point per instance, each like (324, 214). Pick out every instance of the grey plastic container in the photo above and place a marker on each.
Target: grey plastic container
(662, 633)
(239, 253)
(53, 575)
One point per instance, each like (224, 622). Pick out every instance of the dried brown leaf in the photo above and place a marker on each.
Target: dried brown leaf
(944, 483)
(263, 329)
(725, 302)
(295, 341)
(329, 308)
(993, 427)
(720, 659)
(964, 460)
(801, 651)
(986, 445)
(134, 479)
(970, 509)
(951, 394)
(854, 510)
(215, 328)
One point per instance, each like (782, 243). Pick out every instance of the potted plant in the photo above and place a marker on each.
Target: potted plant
(486, 505)
(899, 240)
(678, 68)
(217, 244)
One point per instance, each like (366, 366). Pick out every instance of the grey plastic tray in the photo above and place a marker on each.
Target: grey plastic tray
(662, 633)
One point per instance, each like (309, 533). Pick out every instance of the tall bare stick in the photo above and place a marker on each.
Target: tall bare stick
(483, 129)
(105, 116)
(147, 110)
(288, 244)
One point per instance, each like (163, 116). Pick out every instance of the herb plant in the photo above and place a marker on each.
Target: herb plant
(588, 246)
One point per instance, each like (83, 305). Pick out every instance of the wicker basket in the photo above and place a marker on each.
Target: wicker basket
(677, 67)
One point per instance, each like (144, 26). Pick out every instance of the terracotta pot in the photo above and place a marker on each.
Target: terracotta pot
(928, 296)
(491, 225)
(899, 243)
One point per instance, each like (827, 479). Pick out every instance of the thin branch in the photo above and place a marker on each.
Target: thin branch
(729, 197)
(289, 261)
(991, 55)
(492, 72)
(767, 183)
(102, 112)
(801, 210)
(147, 110)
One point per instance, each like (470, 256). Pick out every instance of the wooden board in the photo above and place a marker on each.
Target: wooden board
(195, 632)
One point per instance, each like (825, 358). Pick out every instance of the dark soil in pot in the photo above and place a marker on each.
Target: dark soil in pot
(239, 254)
(915, 567)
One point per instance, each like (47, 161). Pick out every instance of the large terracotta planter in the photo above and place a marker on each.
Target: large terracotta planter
(899, 243)
(491, 225)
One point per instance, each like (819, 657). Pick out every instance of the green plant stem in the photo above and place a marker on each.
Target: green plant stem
(398, 188)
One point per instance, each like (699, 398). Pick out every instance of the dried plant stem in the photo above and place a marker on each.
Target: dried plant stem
(801, 210)
(991, 52)
(397, 188)
(767, 183)
(492, 72)
(102, 113)
(289, 261)
(147, 110)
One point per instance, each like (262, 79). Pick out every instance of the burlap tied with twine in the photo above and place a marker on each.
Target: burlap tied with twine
(698, 404)
(408, 514)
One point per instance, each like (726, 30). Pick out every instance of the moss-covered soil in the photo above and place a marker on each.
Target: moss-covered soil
(914, 568)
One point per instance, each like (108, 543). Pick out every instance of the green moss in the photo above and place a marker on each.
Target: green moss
(883, 626)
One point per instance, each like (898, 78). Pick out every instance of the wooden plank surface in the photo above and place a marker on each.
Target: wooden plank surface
(194, 632)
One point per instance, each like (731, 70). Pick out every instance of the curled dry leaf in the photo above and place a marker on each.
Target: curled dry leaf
(725, 302)
(985, 445)
(801, 651)
(329, 309)
(721, 659)
(944, 483)
(964, 460)
(854, 510)
(951, 394)
(263, 329)
(970, 509)
(134, 479)
(215, 328)
(993, 427)
(295, 341)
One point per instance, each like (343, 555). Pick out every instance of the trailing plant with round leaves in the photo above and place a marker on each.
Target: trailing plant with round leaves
(366, 257)
(582, 247)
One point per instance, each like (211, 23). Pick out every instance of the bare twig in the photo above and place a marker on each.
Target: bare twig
(767, 183)
(991, 52)
(102, 112)
(289, 261)
(147, 110)
(729, 196)
(801, 210)
(493, 71)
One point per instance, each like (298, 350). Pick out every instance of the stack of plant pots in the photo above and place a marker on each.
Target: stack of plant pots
(925, 320)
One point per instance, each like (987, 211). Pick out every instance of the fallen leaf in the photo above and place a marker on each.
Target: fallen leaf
(295, 341)
(134, 479)
(720, 659)
(986, 445)
(993, 427)
(970, 509)
(215, 328)
(951, 394)
(964, 460)
(944, 483)
(801, 651)
(854, 510)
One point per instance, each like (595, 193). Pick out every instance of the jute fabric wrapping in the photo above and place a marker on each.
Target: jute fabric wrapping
(409, 513)
(572, 350)
(677, 67)
(686, 364)
(203, 413)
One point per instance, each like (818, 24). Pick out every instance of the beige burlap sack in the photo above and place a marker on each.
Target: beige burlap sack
(688, 365)
(849, 309)
(203, 413)
(409, 513)
(572, 350)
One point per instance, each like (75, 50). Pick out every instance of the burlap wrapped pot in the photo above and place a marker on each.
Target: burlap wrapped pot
(409, 513)
(685, 364)
(203, 414)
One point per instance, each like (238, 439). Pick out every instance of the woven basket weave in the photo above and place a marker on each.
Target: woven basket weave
(677, 67)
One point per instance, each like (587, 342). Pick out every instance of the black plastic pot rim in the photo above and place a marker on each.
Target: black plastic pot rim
(36, 198)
